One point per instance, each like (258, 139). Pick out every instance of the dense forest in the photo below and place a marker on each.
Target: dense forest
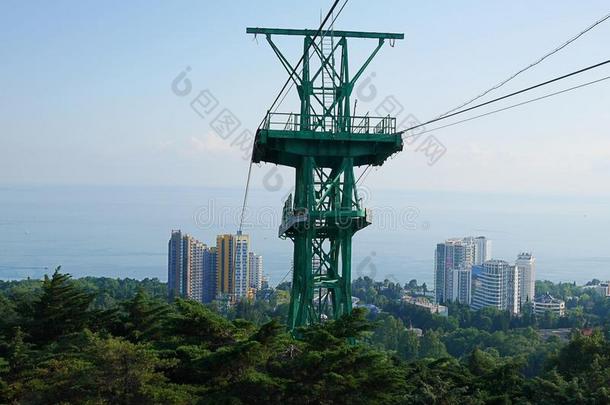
(107, 341)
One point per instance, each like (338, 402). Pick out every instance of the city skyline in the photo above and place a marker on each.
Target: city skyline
(471, 276)
(229, 270)
(465, 271)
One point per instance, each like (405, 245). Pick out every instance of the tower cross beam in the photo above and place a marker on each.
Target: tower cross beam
(334, 33)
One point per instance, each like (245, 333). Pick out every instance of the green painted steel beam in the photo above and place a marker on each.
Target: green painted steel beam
(334, 33)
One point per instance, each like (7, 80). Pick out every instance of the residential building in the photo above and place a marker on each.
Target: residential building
(482, 252)
(602, 289)
(256, 271)
(514, 292)
(476, 272)
(562, 334)
(194, 268)
(526, 267)
(424, 303)
(546, 303)
(265, 283)
(453, 262)
(440, 274)
(210, 281)
(234, 261)
(221, 272)
(461, 285)
(242, 267)
(225, 270)
(175, 265)
(497, 286)
(185, 266)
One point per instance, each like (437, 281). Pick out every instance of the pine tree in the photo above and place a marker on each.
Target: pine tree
(62, 308)
(143, 317)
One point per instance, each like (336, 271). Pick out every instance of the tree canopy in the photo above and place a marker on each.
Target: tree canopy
(59, 343)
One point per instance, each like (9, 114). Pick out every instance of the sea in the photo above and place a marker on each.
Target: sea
(123, 231)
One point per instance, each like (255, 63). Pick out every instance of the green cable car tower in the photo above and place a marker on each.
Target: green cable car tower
(323, 142)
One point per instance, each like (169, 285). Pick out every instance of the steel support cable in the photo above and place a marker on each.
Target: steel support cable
(519, 104)
(508, 95)
(502, 83)
(365, 173)
(363, 176)
(281, 281)
(531, 65)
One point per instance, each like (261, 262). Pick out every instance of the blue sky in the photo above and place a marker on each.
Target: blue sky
(86, 90)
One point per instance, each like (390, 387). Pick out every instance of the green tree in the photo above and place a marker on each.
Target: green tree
(193, 323)
(326, 369)
(142, 318)
(62, 308)
(391, 334)
(109, 371)
(431, 346)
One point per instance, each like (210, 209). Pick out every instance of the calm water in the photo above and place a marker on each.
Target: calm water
(123, 231)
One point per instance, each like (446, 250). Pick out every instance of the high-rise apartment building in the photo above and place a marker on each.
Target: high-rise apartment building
(205, 274)
(185, 269)
(461, 285)
(242, 266)
(482, 252)
(194, 268)
(461, 252)
(256, 271)
(175, 265)
(453, 262)
(232, 266)
(209, 275)
(526, 267)
(497, 287)
(225, 270)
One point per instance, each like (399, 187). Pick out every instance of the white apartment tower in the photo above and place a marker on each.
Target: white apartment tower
(453, 262)
(461, 285)
(242, 265)
(482, 251)
(498, 287)
(195, 254)
(526, 267)
(256, 270)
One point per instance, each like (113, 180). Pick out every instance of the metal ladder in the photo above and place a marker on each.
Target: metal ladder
(328, 82)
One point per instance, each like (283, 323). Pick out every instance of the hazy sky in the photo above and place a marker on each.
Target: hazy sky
(86, 90)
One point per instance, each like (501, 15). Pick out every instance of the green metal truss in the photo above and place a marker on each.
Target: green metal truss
(323, 142)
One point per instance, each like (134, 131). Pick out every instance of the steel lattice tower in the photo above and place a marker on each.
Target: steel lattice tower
(323, 142)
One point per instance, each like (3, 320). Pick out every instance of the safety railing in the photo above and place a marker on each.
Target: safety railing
(319, 123)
